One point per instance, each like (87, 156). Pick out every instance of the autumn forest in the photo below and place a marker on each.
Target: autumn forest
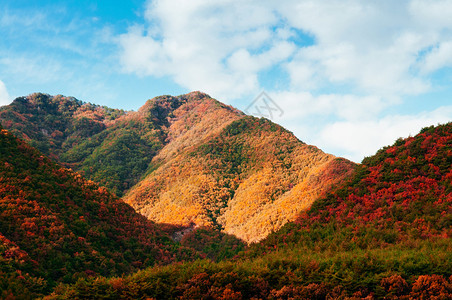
(189, 198)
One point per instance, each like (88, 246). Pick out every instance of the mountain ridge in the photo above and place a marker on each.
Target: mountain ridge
(183, 159)
(70, 131)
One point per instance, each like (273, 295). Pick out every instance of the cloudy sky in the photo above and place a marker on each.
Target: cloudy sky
(348, 76)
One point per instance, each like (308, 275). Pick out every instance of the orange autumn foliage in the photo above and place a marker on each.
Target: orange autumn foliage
(248, 179)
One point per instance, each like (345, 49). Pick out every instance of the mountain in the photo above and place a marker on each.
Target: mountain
(183, 160)
(381, 229)
(55, 226)
(248, 179)
(111, 147)
(384, 233)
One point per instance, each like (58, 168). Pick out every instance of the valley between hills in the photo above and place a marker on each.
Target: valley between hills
(91, 199)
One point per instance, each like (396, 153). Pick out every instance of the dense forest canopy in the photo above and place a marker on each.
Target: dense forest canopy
(317, 226)
(385, 233)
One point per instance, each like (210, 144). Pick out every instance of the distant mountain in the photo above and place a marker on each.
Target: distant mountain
(182, 160)
(55, 226)
(384, 233)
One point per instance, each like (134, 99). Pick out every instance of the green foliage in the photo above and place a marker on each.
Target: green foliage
(115, 159)
(110, 147)
(214, 244)
(288, 273)
(232, 151)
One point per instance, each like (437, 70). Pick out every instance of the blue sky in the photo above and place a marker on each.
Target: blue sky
(350, 76)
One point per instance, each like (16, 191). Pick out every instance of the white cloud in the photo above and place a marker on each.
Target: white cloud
(218, 47)
(5, 99)
(365, 58)
(357, 139)
(433, 14)
(439, 57)
(221, 47)
(373, 46)
(31, 68)
(24, 20)
(345, 107)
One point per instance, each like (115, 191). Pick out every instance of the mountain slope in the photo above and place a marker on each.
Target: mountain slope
(188, 158)
(383, 234)
(249, 179)
(402, 193)
(15, 269)
(57, 226)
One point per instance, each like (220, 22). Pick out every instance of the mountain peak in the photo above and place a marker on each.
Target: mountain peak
(173, 102)
(183, 159)
(197, 95)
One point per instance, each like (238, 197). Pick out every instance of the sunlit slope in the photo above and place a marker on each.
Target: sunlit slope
(249, 179)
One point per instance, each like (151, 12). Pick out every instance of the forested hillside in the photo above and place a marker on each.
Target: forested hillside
(383, 234)
(182, 160)
(55, 226)
(381, 229)
(401, 194)
(110, 146)
(249, 180)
